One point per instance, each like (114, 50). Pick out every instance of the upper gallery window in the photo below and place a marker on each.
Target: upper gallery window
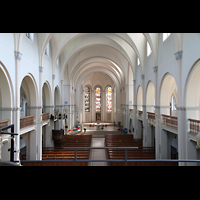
(30, 36)
(148, 49)
(165, 36)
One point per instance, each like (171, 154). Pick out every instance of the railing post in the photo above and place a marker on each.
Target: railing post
(125, 157)
(75, 156)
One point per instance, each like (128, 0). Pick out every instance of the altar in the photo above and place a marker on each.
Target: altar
(98, 126)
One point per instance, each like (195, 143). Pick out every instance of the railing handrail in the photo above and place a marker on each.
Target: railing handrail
(26, 117)
(100, 147)
(169, 116)
(194, 120)
(3, 121)
(45, 113)
(109, 160)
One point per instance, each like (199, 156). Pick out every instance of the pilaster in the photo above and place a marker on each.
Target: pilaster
(39, 118)
(17, 56)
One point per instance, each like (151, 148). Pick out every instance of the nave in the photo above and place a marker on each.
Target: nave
(62, 152)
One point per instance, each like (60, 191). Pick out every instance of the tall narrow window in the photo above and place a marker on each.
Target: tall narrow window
(138, 61)
(87, 99)
(173, 103)
(109, 99)
(165, 36)
(148, 49)
(98, 99)
(47, 50)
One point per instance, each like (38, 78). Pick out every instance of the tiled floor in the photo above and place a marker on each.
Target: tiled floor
(98, 154)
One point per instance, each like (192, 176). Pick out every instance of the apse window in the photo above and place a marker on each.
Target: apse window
(109, 99)
(165, 36)
(98, 99)
(87, 99)
(148, 49)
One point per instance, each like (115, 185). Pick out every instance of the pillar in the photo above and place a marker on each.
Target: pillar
(103, 106)
(38, 118)
(17, 56)
(135, 124)
(157, 117)
(61, 104)
(182, 121)
(66, 97)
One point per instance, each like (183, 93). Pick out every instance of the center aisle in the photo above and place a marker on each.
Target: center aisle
(98, 154)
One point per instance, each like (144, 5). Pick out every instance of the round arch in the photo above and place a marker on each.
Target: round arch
(57, 96)
(168, 86)
(192, 90)
(6, 94)
(46, 97)
(150, 96)
(29, 86)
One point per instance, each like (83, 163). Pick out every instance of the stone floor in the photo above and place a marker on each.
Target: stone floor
(98, 140)
(98, 154)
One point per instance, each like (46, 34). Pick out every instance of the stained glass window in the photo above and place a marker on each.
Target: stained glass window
(109, 99)
(87, 99)
(98, 99)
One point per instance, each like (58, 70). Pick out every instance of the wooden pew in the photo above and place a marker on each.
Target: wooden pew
(60, 153)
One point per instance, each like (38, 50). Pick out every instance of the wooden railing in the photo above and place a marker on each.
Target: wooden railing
(45, 116)
(171, 121)
(26, 121)
(151, 116)
(140, 112)
(4, 123)
(194, 126)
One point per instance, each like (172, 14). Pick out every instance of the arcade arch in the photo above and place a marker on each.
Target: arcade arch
(150, 97)
(6, 94)
(168, 88)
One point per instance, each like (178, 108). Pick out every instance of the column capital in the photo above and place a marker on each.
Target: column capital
(181, 108)
(142, 76)
(155, 69)
(178, 55)
(41, 69)
(53, 76)
(17, 55)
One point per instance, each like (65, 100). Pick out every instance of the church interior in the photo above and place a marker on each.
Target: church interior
(100, 99)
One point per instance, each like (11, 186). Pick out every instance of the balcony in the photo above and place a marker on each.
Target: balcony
(45, 116)
(151, 118)
(194, 126)
(4, 123)
(140, 112)
(170, 121)
(27, 121)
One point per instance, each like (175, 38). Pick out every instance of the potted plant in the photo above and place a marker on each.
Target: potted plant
(84, 129)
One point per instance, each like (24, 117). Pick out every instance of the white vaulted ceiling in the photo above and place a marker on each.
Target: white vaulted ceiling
(114, 52)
